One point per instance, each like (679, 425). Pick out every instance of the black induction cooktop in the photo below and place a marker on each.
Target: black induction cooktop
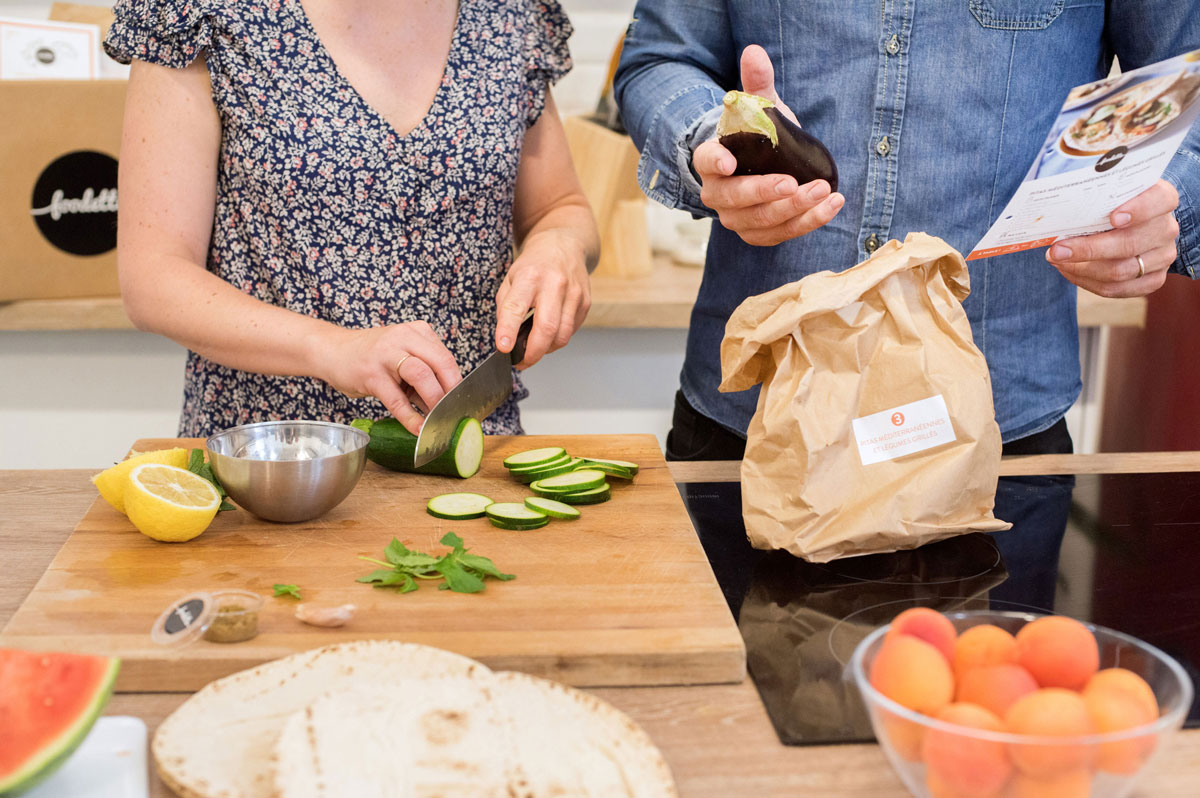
(1120, 550)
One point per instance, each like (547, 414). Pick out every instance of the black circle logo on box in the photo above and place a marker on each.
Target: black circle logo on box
(75, 203)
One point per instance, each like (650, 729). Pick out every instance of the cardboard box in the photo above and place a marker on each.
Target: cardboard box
(58, 188)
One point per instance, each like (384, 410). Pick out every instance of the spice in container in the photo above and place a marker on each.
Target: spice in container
(236, 617)
(222, 616)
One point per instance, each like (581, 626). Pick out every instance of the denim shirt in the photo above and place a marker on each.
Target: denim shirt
(934, 111)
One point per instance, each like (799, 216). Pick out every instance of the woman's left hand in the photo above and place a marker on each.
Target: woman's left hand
(1131, 259)
(551, 276)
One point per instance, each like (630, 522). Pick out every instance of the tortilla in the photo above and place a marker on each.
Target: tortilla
(1099, 129)
(569, 743)
(218, 743)
(410, 738)
(379, 718)
(1158, 111)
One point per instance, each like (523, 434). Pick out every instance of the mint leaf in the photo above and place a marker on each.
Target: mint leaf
(396, 551)
(454, 541)
(287, 590)
(375, 576)
(458, 579)
(198, 466)
(484, 566)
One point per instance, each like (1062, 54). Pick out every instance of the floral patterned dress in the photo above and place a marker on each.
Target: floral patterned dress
(324, 209)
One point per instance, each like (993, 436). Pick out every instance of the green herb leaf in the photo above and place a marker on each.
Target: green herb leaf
(458, 579)
(395, 551)
(454, 541)
(287, 590)
(484, 566)
(375, 576)
(198, 466)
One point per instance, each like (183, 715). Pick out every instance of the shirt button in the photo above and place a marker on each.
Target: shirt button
(872, 243)
(883, 147)
(893, 45)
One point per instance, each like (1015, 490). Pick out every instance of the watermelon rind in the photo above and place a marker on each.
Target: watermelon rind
(52, 755)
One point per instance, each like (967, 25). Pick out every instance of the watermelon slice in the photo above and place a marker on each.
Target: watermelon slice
(48, 702)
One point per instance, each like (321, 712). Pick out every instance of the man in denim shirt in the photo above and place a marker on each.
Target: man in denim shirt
(933, 110)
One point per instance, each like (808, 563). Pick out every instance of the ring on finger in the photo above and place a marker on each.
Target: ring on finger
(1141, 266)
(400, 363)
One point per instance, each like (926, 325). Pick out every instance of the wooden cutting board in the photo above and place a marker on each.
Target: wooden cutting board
(622, 596)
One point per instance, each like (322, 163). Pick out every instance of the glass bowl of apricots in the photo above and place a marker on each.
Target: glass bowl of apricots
(1017, 705)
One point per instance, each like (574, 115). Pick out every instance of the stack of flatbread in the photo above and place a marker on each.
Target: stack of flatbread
(381, 719)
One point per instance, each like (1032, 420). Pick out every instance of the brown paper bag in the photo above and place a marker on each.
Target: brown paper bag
(875, 429)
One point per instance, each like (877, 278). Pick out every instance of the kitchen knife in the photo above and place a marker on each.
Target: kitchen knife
(479, 393)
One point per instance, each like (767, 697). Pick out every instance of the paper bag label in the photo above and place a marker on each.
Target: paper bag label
(903, 430)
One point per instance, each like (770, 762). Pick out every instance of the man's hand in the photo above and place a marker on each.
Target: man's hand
(1108, 263)
(763, 209)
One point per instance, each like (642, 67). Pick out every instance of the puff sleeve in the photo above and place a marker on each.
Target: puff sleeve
(547, 57)
(166, 32)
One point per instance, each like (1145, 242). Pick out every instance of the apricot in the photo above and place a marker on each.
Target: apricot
(1126, 681)
(903, 735)
(912, 673)
(994, 687)
(1070, 784)
(966, 765)
(928, 625)
(1113, 710)
(983, 645)
(1058, 651)
(1049, 712)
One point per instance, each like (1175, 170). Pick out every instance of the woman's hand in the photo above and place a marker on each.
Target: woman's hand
(551, 276)
(389, 363)
(1132, 259)
(762, 209)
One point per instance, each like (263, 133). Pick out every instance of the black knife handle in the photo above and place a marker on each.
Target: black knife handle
(518, 350)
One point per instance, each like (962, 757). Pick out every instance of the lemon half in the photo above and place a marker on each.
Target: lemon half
(112, 481)
(169, 503)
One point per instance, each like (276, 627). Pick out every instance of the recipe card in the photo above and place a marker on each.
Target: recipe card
(1111, 141)
(33, 49)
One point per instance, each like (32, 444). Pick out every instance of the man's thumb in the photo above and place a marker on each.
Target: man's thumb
(758, 76)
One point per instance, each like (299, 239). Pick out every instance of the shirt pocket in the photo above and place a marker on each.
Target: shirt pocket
(1016, 14)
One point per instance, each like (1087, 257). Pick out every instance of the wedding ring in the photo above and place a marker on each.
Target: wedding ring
(1141, 266)
(400, 363)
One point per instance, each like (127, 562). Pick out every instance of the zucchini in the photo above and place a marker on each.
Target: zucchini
(593, 496)
(552, 508)
(573, 482)
(534, 457)
(514, 513)
(394, 448)
(525, 469)
(526, 477)
(496, 522)
(458, 506)
(612, 469)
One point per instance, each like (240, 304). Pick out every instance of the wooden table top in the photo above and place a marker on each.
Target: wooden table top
(717, 739)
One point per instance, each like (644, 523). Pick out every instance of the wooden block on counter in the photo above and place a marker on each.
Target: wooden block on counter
(625, 245)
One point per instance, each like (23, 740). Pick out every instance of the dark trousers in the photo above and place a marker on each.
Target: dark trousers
(694, 436)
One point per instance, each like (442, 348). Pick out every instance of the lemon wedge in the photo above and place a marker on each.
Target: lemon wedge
(169, 503)
(112, 481)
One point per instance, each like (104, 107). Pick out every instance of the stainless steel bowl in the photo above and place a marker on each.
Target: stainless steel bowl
(288, 471)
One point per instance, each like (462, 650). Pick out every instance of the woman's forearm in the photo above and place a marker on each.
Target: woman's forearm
(571, 224)
(168, 295)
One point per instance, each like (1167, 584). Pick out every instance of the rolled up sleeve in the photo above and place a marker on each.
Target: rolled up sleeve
(676, 64)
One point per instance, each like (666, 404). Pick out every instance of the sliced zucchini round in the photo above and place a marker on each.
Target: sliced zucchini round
(573, 482)
(532, 457)
(514, 513)
(593, 496)
(526, 477)
(496, 522)
(552, 508)
(608, 468)
(457, 506)
(623, 465)
(564, 458)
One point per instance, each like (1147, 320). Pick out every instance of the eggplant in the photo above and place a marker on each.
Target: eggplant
(765, 142)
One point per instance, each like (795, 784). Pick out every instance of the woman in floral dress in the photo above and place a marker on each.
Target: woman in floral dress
(321, 200)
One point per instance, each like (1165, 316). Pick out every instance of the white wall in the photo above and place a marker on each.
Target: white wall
(78, 399)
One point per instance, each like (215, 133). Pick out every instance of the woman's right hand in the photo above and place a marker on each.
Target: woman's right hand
(762, 209)
(364, 363)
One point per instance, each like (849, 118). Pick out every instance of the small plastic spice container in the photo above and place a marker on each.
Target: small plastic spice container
(224, 616)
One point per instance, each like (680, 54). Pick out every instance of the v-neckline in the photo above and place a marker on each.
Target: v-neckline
(320, 51)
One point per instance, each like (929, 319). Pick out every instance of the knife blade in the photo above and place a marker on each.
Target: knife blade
(483, 390)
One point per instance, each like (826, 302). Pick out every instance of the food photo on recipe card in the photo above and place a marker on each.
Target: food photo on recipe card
(35, 49)
(1110, 142)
